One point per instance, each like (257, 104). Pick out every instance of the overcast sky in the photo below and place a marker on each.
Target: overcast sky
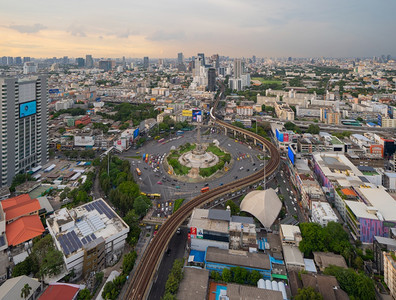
(162, 28)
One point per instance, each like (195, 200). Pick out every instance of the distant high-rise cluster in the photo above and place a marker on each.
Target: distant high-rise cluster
(146, 63)
(240, 79)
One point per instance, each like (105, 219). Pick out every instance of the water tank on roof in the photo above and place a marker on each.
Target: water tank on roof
(282, 288)
(261, 284)
(275, 286)
(268, 285)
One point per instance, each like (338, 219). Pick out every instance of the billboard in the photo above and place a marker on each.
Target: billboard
(27, 109)
(197, 115)
(136, 133)
(285, 137)
(53, 91)
(291, 154)
(187, 113)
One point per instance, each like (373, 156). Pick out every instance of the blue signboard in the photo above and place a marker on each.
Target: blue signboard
(291, 154)
(136, 133)
(195, 114)
(27, 109)
(53, 91)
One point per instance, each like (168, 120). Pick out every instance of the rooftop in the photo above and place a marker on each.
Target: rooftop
(200, 219)
(60, 291)
(194, 284)
(245, 292)
(24, 229)
(83, 224)
(11, 289)
(381, 200)
(238, 258)
(289, 231)
(19, 206)
(325, 259)
(293, 256)
(359, 209)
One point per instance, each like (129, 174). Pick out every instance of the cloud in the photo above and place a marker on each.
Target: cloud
(127, 33)
(28, 28)
(76, 30)
(166, 36)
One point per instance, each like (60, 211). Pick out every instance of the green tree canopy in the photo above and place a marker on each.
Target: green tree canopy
(308, 293)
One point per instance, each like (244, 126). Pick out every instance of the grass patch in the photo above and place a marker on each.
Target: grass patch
(266, 81)
(186, 148)
(223, 158)
(178, 168)
(177, 204)
(134, 157)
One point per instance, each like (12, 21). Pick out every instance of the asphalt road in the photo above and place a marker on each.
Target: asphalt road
(177, 249)
(290, 196)
(167, 188)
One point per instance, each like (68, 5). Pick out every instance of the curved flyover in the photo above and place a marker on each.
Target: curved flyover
(140, 284)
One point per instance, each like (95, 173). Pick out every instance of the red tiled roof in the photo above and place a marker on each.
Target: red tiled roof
(19, 206)
(59, 292)
(24, 229)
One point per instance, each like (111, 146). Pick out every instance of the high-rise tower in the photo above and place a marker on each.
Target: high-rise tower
(23, 125)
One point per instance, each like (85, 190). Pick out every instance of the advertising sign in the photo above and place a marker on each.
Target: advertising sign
(196, 115)
(53, 91)
(291, 154)
(285, 137)
(199, 233)
(136, 133)
(27, 109)
(187, 113)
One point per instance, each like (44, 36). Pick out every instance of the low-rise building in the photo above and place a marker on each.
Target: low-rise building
(322, 213)
(90, 236)
(284, 112)
(390, 271)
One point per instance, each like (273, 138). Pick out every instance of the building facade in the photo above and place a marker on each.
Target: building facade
(24, 118)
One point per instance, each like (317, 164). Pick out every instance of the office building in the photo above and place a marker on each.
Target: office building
(284, 112)
(211, 80)
(91, 236)
(330, 116)
(80, 62)
(105, 65)
(89, 63)
(202, 56)
(322, 213)
(18, 60)
(26, 59)
(180, 58)
(24, 119)
(29, 68)
(237, 68)
(146, 63)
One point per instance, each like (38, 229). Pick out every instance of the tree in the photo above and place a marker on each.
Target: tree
(254, 277)
(141, 205)
(227, 276)
(308, 293)
(52, 263)
(129, 262)
(234, 208)
(25, 292)
(313, 129)
(84, 294)
(289, 125)
(62, 130)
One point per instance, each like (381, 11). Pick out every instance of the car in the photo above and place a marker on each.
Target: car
(254, 164)
(159, 182)
(206, 184)
(178, 231)
(177, 187)
(247, 170)
(168, 251)
(156, 227)
(236, 177)
(255, 169)
(241, 168)
(155, 232)
(221, 184)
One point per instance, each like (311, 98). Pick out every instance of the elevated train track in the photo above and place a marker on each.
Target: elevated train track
(140, 285)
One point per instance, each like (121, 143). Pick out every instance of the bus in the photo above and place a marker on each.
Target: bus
(161, 140)
(205, 189)
(138, 172)
(179, 132)
(143, 194)
(154, 196)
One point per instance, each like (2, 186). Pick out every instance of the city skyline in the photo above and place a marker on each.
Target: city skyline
(232, 28)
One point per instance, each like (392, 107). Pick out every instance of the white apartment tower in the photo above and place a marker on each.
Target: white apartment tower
(23, 125)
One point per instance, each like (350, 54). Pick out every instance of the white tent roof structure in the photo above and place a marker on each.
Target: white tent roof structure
(264, 205)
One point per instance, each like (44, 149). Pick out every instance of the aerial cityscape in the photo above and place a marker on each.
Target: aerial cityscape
(248, 152)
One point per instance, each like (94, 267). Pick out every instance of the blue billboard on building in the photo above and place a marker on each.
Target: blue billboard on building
(279, 136)
(53, 91)
(28, 108)
(136, 133)
(291, 154)
(197, 115)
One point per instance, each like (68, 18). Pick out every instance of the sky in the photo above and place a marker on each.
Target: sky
(162, 28)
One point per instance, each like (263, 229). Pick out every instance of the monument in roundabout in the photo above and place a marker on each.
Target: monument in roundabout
(199, 161)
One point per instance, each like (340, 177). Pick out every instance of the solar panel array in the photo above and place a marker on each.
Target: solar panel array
(70, 242)
(88, 238)
(101, 207)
